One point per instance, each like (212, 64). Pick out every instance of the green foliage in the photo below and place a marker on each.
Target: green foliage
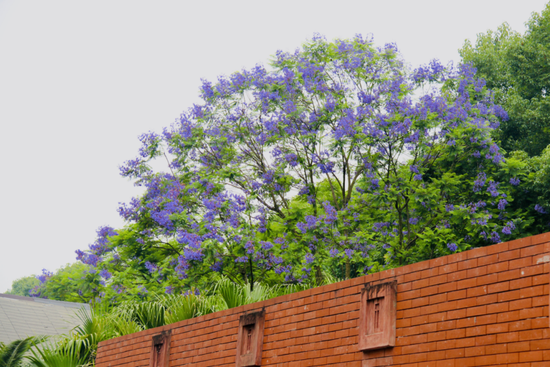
(517, 68)
(534, 191)
(13, 354)
(68, 353)
(148, 314)
(71, 283)
(23, 286)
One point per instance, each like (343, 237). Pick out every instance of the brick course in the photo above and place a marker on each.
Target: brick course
(483, 307)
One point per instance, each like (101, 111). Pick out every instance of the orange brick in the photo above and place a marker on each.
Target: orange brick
(495, 349)
(486, 360)
(520, 304)
(508, 275)
(476, 311)
(522, 262)
(497, 328)
(476, 331)
(507, 296)
(507, 358)
(488, 299)
(530, 356)
(521, 283)
(477, 272)
(531, 291)
(508, 316)
(468, 264)
(532, 250)
(531, 335)
(518, 347)
(530, 313)
(468, 342)
(498, 287)
(520, 325)
(540, 344)
(466, 302)
(438, 298)
(456, 295)
(540, 238)
(474, 351)
(466, 283)
(449, 268)
(477, 291)
(509, 255)
(487, 279)
(457, 275)
(497, 307)
(500, 247)
(485, 260)
(497, 268)
(456, 334)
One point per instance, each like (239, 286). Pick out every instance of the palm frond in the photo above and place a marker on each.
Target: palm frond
(12, 354)
(67, 353)
(230, 293)
(148, 314)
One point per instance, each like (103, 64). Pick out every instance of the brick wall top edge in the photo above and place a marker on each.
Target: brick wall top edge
(376, 277)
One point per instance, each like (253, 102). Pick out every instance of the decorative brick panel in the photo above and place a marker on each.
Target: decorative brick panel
(160, 350)
(483, 307)
(250, 339)
(377, 316)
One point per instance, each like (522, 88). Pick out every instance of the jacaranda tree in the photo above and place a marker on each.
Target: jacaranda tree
(336, 159)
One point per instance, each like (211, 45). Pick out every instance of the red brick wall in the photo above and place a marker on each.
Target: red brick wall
(483, 307)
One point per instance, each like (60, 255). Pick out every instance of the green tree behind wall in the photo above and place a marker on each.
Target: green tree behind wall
(517, 68)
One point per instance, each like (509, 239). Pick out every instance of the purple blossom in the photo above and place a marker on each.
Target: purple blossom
(493, 188)
(480, 181)
(217, 266)
(514, 181)
(452, 247)
(150, 267)
(333, 252)
(309, 258)
(502, 204)
(242, 259)
(105, 274)
(266, 245)
(540, 209)
(44, 276)
(331, 214)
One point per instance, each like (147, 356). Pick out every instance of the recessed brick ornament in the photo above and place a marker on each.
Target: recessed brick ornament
(251, 339)
(160, 350)
(377, 316)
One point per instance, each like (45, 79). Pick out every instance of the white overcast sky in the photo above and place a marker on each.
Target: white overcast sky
(80, 80)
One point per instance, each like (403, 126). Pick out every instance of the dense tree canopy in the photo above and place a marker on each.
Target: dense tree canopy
(335, 160)
(23, 286)
(517, 68)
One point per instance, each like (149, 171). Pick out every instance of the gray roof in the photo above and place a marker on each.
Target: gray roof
(21, 317)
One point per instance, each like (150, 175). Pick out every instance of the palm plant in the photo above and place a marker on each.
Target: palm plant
(185, 307)
(13, 354)
(147, 314)
(65, 353)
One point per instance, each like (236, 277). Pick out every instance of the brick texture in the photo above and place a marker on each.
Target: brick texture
(483, 307)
